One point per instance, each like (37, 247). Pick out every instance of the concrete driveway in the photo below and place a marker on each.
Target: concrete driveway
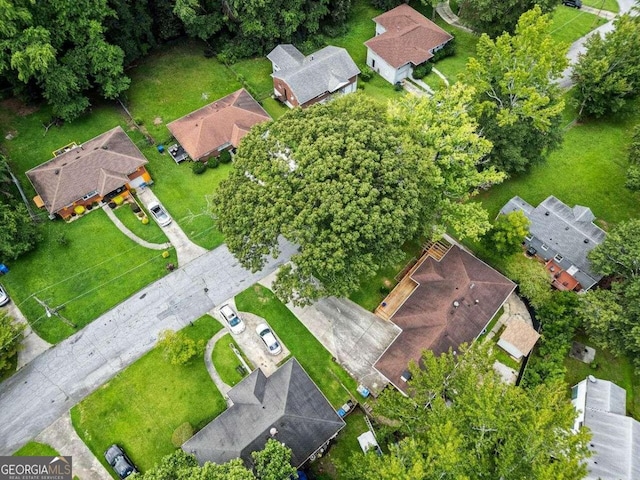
(251, 344)
(353, 335)
(47, 387)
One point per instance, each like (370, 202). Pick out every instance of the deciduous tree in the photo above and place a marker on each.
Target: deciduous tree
(509, 232)
(178, 348)
(607, 75)
(273, 462)
(350, 186)
(18, 234)
(532, 278)
(495, 18)
(633, 172)
(462, 422)
(10, 340)
(517, 103)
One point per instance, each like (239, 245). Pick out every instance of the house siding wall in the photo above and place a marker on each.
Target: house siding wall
(279, 88)
(390, 74)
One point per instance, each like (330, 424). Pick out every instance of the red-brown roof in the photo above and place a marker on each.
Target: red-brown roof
(409, 37)
(101, 164)
(428, 318)
(222, 122)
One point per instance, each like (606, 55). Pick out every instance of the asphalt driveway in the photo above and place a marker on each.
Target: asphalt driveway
(55, 381)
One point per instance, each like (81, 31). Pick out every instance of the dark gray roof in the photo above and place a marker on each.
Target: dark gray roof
(326, 70)
(288, 401)
(565, 231)
(616, 438)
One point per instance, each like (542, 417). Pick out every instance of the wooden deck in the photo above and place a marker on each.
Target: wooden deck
(405, 287)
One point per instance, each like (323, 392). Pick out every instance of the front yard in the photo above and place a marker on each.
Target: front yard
(88, 266)
(335, 383)
(144, 404)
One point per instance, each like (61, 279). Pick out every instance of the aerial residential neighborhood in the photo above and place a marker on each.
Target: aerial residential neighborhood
(361, 239)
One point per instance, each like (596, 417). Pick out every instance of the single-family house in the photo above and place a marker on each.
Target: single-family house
(300, 81)
(561, 237)
(97, 170)
(518, 338)
(404, 39)
(446, 299)
(218, 126)
(615, 441)
(286, 406)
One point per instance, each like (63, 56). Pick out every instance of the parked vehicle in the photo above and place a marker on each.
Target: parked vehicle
(269, 339)
(119, 461)
(4, 297)
(572, 3)
(159, 214)
(236, 325)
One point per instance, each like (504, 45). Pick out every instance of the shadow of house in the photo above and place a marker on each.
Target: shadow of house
(218, 126)
(452, 302)
(97, 170)
(300, 81)
(404, 39)
(561, 237)
(286, 406)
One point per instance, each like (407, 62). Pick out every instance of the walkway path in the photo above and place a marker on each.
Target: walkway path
(441, 75)
(223, 387)
(62, 436)
(32, 344)
(47, 387)
(187, 250)
(153, 246)
(445, 12)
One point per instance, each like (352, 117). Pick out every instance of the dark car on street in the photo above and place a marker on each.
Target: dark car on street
(119, 461)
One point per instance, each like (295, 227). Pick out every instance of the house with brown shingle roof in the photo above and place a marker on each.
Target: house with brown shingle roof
(404, 39)
(218, 126)
(99, 169)
(451, 301)
(518, 338)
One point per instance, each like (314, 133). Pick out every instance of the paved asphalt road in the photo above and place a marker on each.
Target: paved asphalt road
(46, 388)
(577, 47)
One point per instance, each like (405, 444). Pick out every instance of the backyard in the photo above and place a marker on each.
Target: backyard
(144, 404)
(335, 383)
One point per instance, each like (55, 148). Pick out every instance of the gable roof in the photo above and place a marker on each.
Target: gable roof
(222, 122)
(428, 318)
(288, 401)
(409, 37)
(100, 164)
(326, 70)
(568, 231)
(521, 335)
(615, 441)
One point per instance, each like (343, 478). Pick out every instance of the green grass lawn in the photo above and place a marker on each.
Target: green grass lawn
(589, 169)
(151, 232)
(610, 5)
(96, 270)
(619, 370)
(373, 290)
(257, 74)
(452, 67)
(174, 81)
(313, 357)
(225, 361)
(569, 24)
(36, 449)
(492, 323)
(142, 406)
(345, 445)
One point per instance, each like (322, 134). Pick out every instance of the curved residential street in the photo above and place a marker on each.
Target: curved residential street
(47, 387)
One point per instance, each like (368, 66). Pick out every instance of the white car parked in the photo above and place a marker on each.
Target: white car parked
(236, 325)
(269, 339)
(159, 214)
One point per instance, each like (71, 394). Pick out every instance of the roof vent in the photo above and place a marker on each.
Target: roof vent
(105, 147)
(586, 240)
(477, 301)
(57, 171)
(456, 304)
(546, 214)
(273, 431)
(592, 379)
(406, 376)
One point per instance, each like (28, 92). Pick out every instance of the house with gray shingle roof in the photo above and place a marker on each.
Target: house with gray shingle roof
(302, 81)
(615, 441)
(286, 406)
(562, 237)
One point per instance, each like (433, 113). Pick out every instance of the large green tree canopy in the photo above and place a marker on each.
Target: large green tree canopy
(60, 46)
(517, 103)
(350, 186)
(462, 422)
(495, 18)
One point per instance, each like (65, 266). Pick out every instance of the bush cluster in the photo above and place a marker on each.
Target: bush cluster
(422, 70)
(366, 73)
(198, 168)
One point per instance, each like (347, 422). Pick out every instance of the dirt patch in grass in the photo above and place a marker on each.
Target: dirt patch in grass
(18, 107)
